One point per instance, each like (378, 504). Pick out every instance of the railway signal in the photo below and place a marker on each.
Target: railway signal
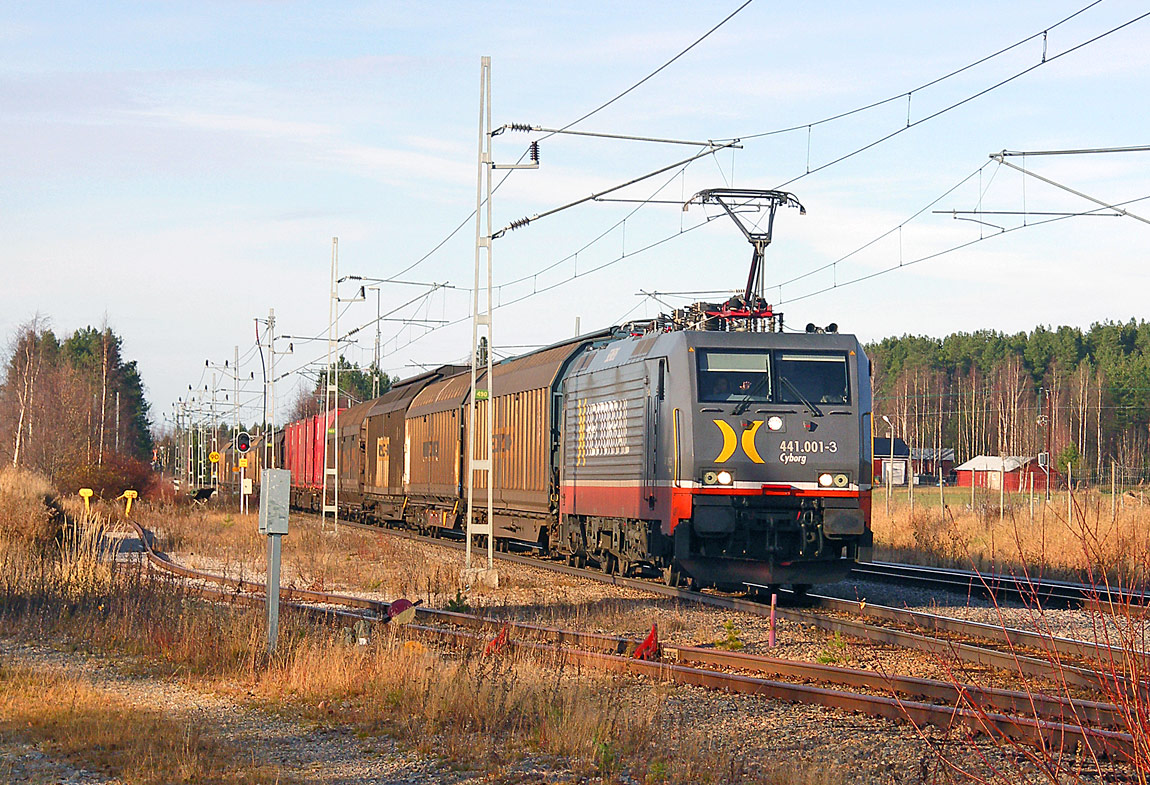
(243, 442)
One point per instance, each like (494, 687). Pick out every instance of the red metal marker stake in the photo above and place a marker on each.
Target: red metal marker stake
(771, 635)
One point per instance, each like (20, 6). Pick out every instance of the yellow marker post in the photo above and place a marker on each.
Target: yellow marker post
(128, 496)
(86, 494)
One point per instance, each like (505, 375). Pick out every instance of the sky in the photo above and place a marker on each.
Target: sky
(175, 170)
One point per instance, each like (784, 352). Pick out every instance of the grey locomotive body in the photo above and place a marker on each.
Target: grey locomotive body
(728, 457)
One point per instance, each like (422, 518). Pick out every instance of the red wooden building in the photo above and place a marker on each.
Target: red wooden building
(1010, 473)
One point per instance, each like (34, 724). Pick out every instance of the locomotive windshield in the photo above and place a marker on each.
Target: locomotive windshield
(734, 376)
(809, 377)
(773, 377)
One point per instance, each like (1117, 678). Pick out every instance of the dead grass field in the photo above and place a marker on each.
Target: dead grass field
(95, 728)
(1102, 537)
(479, 713)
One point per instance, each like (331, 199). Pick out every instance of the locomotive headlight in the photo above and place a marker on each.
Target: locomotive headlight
(775, 423)
(826, 480)
(724, 477)
(710, 478)
(842, 480)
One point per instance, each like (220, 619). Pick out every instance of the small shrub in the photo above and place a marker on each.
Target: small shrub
(732, 641)
(834, 651)
(110, 477)
(459, 603)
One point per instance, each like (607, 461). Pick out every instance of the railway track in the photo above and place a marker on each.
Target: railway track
(1040, 720)
(1047, 592)
(1019, 651)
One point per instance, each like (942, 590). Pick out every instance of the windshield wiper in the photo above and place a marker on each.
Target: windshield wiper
(751, 393)
(802, 398)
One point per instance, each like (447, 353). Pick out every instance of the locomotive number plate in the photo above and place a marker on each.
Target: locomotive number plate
(807, 446)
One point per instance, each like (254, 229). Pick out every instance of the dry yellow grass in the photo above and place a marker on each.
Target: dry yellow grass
(27, 511)
(480, 712)
(96, 729)
(1100, 535)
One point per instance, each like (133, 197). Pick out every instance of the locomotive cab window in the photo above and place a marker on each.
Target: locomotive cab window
(734, 376)
(813, 377)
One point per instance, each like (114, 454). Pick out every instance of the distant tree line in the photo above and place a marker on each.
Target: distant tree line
(1084, 396)
(73, 408)
(355, 386)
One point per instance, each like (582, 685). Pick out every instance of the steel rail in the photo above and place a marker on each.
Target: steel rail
(1010, 636)
(1004, 660)
(993, 584)
(1040, 733)
(1049, 713)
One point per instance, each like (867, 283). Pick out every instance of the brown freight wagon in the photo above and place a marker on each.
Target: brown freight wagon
(382, 436)
(525, 436)
(351, 456)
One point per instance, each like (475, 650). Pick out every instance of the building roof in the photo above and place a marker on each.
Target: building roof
(994, 463)
(882, 447)
(929, 453)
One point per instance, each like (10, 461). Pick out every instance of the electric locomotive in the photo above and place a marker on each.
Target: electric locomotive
(731, 458)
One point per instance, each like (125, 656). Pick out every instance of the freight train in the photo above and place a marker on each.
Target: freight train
(705, 446)
(719, 457)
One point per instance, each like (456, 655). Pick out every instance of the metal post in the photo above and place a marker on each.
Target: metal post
(941, 495)
(270, 419)
(1001, 489)
(1031, 498)
(215, 436)
(910, 486)
(375, 373)
(1046, 439)
(273, 590)
(236, 422)
(275, 498)
(483, 318)
(890, 465)
(331, 400)
(1069, 492)
(1113, 493)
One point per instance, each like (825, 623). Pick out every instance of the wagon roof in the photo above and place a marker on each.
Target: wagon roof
(528, 372)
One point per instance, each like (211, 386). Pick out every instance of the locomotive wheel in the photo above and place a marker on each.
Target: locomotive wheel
(671, 576)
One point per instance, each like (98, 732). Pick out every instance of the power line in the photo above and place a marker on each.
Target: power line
(1045, 60)
(573, 123)
(573, 277)
(654, 73)
(937, 254)
(882, 236)
(907, 94)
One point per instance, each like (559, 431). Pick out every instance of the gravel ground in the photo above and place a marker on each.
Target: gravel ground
(753, 736)
(304, 751)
